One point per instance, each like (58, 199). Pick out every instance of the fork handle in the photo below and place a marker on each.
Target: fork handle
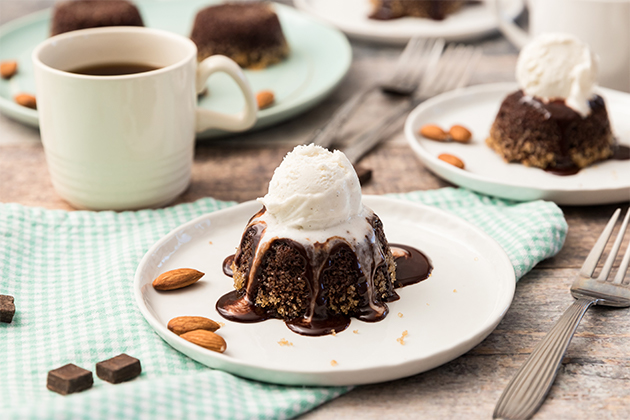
(528, 388)
(326, 135)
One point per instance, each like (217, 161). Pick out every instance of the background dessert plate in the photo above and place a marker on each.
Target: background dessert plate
(351, 16)
(320, 57)
(475, 108)
(455, 309)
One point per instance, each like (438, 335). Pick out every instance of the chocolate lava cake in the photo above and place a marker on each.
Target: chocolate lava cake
(298, 279)
(432, 9)
(248, 33)
(550, 135)
(82, 14)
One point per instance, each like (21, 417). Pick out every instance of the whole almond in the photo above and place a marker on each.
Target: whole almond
(460, 134)
(184, 324)
(206, 339)
(26, 100)
(264, 98)
(453, 160)
(8, 69)
(433, 132)
(176, 279)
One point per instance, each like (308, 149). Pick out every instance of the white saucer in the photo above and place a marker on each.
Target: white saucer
(455, 309)
(320, 57)
(351, 16)
(475, 108)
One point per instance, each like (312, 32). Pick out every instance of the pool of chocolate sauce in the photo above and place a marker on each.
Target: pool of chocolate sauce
(412, 266)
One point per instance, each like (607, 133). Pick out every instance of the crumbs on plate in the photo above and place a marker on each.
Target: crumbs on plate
(401, 339)
(284, 342)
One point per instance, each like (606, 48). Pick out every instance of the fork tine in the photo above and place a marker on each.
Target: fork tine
(613, 252)
(469, 69)
(623, 267)
(593, 257)
(459, 68)
(414, 64)
(402, 65)
(421, 56)
(423, 59)
(435, 79)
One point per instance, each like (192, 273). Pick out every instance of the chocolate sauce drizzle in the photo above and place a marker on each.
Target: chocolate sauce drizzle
(412, 266)
(565, 118)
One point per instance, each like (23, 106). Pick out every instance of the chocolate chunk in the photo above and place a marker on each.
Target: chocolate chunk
(69, 379)
(7, 308)
(118, 369)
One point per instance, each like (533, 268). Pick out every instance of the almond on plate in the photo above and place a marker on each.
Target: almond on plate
(453, 160)
(264, 98)
(26, 100)
(184, 324)
(460, 134)
(206, 339)
(433, 132)
(8, 68)
(176, 279)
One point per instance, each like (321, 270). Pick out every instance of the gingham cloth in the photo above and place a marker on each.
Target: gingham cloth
(71, 274)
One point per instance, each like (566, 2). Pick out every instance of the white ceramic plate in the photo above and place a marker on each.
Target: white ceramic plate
(455, 309)
(320, 57)
(476, 107)
(351, 16)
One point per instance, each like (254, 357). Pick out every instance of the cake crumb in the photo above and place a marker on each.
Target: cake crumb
(454, 290)
(334, 333)
(428, 304)
(221, 324)
(401, 339)
(333, 363)
(476, 258)
(356, 331)
(284, 342)
(400, 315)
(210, 242)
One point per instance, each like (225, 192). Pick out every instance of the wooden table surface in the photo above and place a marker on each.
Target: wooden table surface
(594, 379)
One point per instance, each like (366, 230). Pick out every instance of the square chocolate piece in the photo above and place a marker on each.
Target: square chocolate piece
(7, 308)
(69, 379)
(118, 369)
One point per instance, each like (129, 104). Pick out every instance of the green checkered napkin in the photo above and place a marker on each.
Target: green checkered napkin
(71, 274)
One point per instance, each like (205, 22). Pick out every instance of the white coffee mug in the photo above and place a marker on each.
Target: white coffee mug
(127, 141)
(603, 24)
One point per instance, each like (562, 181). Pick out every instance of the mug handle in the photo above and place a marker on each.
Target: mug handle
(207, 119)
(512, 32)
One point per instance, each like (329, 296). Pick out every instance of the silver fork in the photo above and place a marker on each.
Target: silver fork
(453, 70)
(528, 388)
(419, 55)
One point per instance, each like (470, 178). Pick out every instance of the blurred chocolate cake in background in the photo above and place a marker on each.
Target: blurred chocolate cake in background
(83, 14)
(247, 32)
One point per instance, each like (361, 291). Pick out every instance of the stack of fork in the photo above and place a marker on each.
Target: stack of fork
(424, 69)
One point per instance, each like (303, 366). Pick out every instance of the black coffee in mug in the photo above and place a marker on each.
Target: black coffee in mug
(113, 69)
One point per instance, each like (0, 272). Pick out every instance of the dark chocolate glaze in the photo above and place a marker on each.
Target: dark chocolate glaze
(227, 265)
(412, 266)
(433, 9)
(621, 152)
(558, 127)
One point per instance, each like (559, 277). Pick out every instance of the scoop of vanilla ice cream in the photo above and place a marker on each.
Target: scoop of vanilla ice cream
(313, 189)
(558, 66)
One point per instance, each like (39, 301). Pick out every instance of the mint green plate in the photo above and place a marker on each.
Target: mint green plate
(320, 57)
